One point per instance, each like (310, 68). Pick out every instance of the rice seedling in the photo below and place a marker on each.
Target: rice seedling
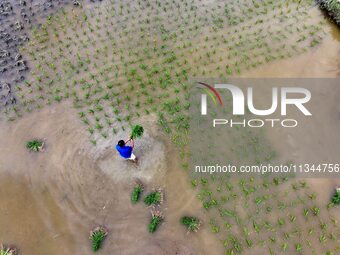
(191, 223)
(315, 210)
(298, 247)
(214, 226)
(35, 145)
(97, 237)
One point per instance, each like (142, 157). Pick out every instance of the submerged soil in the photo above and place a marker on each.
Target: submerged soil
(317, 140)
(322, 62)
(314, 139)
(53, 198)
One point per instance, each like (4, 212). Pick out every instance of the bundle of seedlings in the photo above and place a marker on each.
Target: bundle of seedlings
(333, 9)
(336, 197)
(35, 145)
(7, 250)
(154, 198)
(156, 219)
(137, 192)
(137, 132)
(97, 237)
(191, 223)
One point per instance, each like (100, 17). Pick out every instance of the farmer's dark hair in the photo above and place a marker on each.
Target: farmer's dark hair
(121, 143)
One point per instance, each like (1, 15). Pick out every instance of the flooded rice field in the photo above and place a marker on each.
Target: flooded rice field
(54, 199)
(77, 74)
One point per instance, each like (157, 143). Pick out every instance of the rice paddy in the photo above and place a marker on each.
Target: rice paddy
(117, 61)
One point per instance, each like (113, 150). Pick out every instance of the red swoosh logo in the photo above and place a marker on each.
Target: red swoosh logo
(213, 90)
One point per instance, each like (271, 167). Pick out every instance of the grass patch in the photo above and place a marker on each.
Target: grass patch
(35, 145)
(97, 237)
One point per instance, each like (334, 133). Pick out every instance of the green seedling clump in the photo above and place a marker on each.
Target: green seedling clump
(6, 250)
(137, 132)
(136, 193)
(35, 145)
(192, 223)
(97, 237)
(156, 219)
(336, 197)
(154, 198)
(332, 7)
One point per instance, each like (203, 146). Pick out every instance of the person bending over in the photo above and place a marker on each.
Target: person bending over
(126, 151)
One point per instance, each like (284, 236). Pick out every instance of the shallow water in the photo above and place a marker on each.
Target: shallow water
(318, 140)
(51, 200)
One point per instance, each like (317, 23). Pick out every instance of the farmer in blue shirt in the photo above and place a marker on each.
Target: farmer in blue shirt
(125, 150)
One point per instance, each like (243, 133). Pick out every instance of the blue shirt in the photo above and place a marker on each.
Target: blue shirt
(125, 151)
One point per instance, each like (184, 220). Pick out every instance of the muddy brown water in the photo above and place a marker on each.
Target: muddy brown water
(51, 200)
(318, 141)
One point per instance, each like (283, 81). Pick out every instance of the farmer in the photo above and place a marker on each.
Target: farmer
(125, 150)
